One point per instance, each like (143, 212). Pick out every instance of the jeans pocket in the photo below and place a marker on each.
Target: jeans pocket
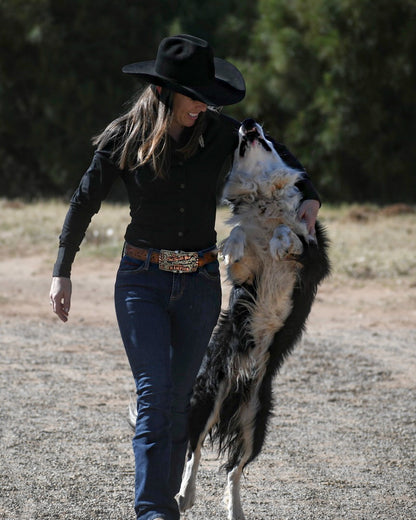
(130, 265)
(210, 271)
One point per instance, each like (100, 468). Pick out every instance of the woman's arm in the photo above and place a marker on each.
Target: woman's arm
(311, 202)
(85, 202)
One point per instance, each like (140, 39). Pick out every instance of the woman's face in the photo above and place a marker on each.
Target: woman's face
(186, 111)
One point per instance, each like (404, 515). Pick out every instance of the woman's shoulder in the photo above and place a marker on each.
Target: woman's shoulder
(222, 124)
(221, 131)
(223, 120)
(110, 143)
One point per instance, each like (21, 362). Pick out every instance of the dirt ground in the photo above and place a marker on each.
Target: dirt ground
(341, 444)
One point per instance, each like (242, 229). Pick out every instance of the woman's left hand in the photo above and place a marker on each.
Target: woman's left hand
(308, 211)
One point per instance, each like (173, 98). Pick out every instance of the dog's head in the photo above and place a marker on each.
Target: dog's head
(254, 147)
(252, 136)
(257, 170)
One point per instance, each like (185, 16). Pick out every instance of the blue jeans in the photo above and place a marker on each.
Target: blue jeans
(165, 321)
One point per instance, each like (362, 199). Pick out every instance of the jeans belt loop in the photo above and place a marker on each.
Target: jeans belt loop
(148, 257)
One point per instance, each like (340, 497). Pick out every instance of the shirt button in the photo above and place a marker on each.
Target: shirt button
(182, 186)
(180, 234)
(182, 210)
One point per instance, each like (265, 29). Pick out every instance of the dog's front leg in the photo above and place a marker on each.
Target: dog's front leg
(284, 242)
(233, 248)
(241, 267)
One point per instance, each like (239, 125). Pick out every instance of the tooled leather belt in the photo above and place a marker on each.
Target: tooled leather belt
(173, 261)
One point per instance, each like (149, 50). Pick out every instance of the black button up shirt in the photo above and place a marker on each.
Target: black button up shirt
(177, 212)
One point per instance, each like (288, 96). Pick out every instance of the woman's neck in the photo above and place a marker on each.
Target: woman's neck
(175, 131)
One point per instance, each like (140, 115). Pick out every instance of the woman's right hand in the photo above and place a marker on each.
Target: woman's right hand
(60, 295)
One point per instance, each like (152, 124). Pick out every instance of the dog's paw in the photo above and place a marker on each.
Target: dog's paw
(280, 242)
(233, 248)
(297, 246)
(232, 503)
(284, 243)
(185, 501)
(187, 494)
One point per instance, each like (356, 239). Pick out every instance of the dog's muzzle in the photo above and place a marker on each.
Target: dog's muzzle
(249, 133)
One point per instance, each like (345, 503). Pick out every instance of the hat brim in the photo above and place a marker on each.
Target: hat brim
(227, 88)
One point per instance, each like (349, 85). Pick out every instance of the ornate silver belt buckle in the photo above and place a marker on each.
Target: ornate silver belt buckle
(178, 261)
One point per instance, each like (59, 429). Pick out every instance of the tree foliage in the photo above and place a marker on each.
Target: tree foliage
(333, 79)
(61, 82)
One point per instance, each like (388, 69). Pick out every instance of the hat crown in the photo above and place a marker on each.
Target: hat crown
(186, 60)
(186, 64)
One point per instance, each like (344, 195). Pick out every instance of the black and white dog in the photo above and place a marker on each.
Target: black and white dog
(275, 267)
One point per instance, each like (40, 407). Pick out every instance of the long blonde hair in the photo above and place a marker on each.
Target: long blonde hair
(140, 136)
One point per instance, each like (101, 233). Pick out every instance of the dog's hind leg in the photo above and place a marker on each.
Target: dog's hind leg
(187, 493)
(232, 497)
(238, 462)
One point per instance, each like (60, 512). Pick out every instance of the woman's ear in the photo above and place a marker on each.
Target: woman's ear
(164, 95)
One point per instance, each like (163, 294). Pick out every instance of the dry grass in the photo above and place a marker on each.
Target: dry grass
(32, 229)
(367, 242)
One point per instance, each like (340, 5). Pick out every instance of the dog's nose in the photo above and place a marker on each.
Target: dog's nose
(249, 125)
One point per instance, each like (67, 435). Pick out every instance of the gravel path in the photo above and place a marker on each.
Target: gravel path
(341, 444)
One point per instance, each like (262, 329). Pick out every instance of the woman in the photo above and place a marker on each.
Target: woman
(170, 150)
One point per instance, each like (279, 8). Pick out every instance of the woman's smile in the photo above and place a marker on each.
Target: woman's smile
(185, 113)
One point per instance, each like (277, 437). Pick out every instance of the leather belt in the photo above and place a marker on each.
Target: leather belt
(173, 261)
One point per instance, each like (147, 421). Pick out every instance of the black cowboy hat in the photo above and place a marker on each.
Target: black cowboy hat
(187, 65)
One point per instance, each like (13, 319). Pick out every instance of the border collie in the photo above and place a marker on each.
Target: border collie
(275, 267)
